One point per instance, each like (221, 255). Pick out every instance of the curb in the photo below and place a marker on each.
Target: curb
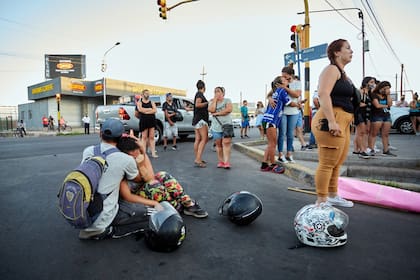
(394, 170)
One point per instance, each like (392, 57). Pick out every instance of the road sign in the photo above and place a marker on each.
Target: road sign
(289, 58)
(313, 53)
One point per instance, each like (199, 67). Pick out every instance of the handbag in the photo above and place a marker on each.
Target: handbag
(178, 117)
(227, 129)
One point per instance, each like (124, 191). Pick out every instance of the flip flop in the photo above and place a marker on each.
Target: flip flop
(199, 164)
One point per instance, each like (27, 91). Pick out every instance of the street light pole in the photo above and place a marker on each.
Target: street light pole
(103, 69)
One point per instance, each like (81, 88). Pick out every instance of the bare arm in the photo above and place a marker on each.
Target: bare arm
(327, 80)
(127, 195)
(212, 106)
(200, 104)
(226, 111)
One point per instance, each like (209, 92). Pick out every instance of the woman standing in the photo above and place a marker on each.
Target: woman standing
(200, 122)
(260, 114)
(362, 118)
(221, 107)
(147, 109)
(415, 112)
(380, 117)
(290, 116)
(331, 124)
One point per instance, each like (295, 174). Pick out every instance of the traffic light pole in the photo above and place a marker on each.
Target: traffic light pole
(180, 3)
(306, 109)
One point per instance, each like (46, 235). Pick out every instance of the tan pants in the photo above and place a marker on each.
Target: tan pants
(332, 150)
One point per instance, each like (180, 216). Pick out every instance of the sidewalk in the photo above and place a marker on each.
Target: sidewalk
(403, 170)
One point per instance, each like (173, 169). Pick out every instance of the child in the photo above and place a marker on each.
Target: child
(155, 187)
(272, 118)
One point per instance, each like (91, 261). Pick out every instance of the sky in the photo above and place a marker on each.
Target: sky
(240, 44)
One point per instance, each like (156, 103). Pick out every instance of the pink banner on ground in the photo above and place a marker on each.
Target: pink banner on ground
(371, 193)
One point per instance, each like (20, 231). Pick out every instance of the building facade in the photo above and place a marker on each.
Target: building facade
(73, 98)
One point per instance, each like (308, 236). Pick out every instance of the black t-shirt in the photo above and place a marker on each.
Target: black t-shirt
(200, 113)
(171, 108)
(379, 112)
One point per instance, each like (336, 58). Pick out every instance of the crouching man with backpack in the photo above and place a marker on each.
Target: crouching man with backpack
(117, 219)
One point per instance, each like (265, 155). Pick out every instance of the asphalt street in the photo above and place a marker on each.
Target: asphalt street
(36, 242)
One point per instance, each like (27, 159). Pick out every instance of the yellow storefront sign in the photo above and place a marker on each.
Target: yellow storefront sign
(42, 89)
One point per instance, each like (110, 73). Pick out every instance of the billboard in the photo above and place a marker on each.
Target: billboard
(72, 66)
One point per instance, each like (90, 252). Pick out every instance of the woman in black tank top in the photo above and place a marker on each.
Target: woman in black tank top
(331, 124)
(147, 110)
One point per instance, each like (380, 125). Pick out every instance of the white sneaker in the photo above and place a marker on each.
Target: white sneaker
(290, 159)
(283, 159)
(339, 201)
(392, 148)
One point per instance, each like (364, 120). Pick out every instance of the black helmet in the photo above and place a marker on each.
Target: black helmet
(242, 207)
(166, 229)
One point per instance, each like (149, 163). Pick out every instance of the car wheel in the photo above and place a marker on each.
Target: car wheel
(405, 126)
(158, 134)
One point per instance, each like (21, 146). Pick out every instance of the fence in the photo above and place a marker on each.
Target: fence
(7, 123)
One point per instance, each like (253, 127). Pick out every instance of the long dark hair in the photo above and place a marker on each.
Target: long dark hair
(335, 46)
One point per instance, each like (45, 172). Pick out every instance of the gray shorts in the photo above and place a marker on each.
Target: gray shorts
(201, 124)
(170, 131)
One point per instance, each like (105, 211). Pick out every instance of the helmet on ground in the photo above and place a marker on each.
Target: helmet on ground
(166, 230)
(321, 225)
(242, 207)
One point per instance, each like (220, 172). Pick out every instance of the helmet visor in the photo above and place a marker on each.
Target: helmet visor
(339, 218)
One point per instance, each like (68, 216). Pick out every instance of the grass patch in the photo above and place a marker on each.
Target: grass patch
(69, 133)
(385, 183)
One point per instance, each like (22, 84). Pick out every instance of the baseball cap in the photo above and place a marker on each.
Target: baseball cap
(112, 128)
(168, 94)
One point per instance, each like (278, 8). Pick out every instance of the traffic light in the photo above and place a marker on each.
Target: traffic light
(162, 8)
(293, 37)
(58, 97)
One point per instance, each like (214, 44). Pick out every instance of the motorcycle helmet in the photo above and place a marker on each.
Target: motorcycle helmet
(242, 207)
(321, 225)
(166, 230)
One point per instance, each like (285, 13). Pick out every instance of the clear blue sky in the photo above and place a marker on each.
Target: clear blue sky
(240, 43)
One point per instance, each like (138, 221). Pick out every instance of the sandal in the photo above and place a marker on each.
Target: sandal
(199, 164)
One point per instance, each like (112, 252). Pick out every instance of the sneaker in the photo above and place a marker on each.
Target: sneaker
(363, 155)
(392, 148)
(95, 235)
(388, 153)
(283, 159)
(164, 148)
(221, 165)
(278, 169)
(356, 153)
(303, 148)
(174, 148)
(195, 211)
(370, 152)
(227, 165)
(290, 159)
(339, 201)
(121, 235)
(265, 167)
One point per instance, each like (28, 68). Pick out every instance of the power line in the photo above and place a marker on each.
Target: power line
(346, 19)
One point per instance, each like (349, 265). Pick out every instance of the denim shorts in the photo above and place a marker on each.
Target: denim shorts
(217, 135)
(380, 119)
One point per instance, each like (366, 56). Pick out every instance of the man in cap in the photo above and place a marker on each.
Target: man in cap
(171, 129)
(118, 218)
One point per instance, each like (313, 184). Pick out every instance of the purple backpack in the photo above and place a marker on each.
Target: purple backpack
(78, 199)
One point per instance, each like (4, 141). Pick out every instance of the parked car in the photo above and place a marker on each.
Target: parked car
(400, 119)
(124, 111)
(236, 123)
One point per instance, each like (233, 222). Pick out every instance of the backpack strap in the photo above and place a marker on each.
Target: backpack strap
(97, 151)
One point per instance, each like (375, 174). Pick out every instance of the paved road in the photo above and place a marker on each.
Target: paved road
(36, 243)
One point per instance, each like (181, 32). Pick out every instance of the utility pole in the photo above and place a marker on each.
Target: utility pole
(401, 82)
